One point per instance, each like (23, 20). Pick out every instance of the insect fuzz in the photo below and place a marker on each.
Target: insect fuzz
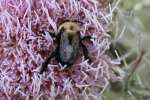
(69, 41)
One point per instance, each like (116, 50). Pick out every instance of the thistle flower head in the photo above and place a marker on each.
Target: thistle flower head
(24, 46)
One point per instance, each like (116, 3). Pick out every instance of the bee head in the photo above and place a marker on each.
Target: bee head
(71, 28)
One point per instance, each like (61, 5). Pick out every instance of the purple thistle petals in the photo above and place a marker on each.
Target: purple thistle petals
(23, 48)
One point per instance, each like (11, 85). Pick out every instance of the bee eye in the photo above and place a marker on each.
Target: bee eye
(62, 29)
(78, 32)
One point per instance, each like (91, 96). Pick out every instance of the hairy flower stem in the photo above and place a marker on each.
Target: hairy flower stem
(136, 65)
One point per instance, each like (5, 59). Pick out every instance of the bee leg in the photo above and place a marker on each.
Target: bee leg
(44, 65)
(52, 35)
(85, 52)
(86, 37)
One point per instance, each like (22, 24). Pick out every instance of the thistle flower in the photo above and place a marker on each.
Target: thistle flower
(24, 47)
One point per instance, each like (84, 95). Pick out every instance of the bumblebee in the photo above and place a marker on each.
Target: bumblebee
(69, 41)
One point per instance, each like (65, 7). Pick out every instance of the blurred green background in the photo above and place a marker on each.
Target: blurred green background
(131, 36)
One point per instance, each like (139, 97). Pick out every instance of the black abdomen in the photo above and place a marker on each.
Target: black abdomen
(68, 49)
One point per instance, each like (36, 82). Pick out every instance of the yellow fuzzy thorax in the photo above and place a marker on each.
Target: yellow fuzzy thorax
(70, 28)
